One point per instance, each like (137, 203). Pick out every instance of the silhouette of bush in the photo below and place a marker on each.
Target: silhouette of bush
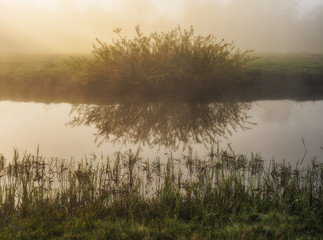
(176, 65)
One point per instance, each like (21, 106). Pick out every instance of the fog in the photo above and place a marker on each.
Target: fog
(57, 26)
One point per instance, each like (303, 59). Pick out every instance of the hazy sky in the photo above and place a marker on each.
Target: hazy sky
(58, 26)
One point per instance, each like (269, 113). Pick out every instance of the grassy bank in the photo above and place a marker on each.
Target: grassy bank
(39, 78)
(224, 196)
(48, 78)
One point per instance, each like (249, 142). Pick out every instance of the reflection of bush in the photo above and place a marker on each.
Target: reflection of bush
(168, 124)
(173, 65)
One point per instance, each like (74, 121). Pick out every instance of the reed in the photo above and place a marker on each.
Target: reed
(126, 196)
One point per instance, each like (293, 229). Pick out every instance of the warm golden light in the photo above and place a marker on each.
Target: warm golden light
(72, 25)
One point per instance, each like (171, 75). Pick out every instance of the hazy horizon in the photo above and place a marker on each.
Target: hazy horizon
(71, 26)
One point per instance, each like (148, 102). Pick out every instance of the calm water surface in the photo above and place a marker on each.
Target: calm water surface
(277, 132)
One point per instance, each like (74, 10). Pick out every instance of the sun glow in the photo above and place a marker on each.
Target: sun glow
(55, 4)
(37, 4)
(102, 4)
(73, 25)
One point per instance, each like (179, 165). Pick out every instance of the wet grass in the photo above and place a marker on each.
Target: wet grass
(224, 196)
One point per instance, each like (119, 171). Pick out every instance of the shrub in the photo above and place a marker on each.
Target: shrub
(176, 65)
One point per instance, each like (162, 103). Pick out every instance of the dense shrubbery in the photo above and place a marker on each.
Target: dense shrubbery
(176, 65)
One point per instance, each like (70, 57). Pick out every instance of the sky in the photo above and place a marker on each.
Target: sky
(71, 26)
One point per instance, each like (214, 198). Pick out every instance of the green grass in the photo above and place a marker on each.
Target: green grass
(224, 196)
(32, 62)
(287, 63)
(267, 62)
(269, 226)
(264, 62)
(48, 78)
(43, 78)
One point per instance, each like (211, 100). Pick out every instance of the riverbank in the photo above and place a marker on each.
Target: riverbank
(48, 79)
(224, 196)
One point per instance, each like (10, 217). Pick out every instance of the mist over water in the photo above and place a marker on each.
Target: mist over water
(72, 26)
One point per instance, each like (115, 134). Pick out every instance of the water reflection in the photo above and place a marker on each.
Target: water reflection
(281, 126)
(166, 124)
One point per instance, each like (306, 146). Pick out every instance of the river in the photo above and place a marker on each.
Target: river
(278, 130)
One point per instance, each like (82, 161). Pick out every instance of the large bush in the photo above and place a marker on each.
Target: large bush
(176, 65)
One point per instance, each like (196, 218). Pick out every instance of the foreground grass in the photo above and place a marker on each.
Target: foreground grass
(272, 225)
(225, 196)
